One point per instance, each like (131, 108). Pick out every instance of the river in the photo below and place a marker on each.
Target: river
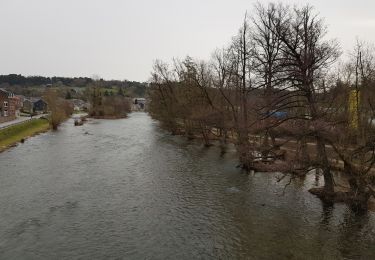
(126, 189)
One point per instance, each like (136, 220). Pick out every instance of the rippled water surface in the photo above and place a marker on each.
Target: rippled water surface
(125, 189)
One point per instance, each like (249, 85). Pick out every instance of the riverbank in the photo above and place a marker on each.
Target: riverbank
(282, 160)
(12, 135)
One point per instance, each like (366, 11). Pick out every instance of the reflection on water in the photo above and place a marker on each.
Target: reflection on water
(126, 189)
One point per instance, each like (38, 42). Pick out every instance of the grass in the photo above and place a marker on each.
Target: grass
(14, 134)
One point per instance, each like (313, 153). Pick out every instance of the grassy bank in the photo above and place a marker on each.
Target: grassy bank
(14, 134)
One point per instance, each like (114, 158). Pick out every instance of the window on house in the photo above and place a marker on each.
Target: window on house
(5, 103)
(5, 113)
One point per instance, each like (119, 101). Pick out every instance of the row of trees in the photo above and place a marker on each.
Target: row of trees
(19, 81)
(107, 105)
(279, 93)
(101, 105)
(73, 87)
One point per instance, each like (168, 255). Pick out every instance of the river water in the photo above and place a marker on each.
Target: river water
(125, 189)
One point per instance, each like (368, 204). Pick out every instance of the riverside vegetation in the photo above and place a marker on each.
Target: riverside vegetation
(104, 105)
(17, 133)
(280, 92)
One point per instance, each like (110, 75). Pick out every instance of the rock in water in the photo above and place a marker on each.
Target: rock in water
(233, 190)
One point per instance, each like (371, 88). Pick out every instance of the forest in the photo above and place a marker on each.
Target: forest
(286, 95)
(35, 85)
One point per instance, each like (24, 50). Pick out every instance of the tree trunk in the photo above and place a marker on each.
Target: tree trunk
(302, 155)
(324, 163)
(360, 195)
(205, 135)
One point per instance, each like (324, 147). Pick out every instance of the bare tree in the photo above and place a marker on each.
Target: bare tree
(268, 65)
(276, 79)
(60, 109)
(307, 56)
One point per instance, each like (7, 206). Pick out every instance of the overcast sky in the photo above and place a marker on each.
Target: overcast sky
(120, 39)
